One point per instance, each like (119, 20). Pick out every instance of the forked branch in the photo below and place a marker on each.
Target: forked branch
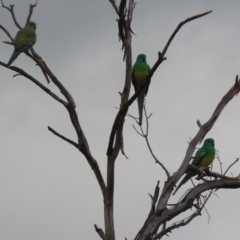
(125, 104)
(32, 5)
(145, 136)
(178, 28)
(10, 9)
(69, 104)
(162, 213)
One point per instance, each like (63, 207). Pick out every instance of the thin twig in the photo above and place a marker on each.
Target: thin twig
(149, 147)
(8, 34)
(187, 220)
(121, 141)
(209, 218)
(146, 117)
(145, 135)
(64, 138)
(220, 163)
(152, 210)
(217, 175)
(125, 102)
(178, 28)
(231, 166)
(137, 131)
(26, 75)
(178, 225)
(39, 62)
(163, 53)
(221, 181)
(10, 9)
(131, 116)
(32, 5)
(206, 127)
(99, 231)
(199, 124)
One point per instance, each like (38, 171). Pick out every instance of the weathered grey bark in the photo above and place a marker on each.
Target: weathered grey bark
(155, 225)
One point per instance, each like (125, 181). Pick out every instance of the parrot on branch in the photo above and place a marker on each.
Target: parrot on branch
(140, 71)
(203, 158)
(24, 40)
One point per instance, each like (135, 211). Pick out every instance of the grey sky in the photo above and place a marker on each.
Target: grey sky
(47, 189)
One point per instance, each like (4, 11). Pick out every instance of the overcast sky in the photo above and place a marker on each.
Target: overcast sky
(47, 189)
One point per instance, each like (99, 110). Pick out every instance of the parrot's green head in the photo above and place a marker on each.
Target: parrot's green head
(209, 142)
(141, 58)
(31, 25)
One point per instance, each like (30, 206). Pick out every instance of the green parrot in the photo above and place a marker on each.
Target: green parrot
(203, 158)
(24, 40)
(140, 71)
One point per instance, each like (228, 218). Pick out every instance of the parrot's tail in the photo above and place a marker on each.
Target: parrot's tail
(140, 106)
(185, 179)
(13, 57)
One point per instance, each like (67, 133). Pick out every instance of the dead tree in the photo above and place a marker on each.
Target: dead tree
(156, 224)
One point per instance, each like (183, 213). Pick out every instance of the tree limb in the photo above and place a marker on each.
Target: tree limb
(99, 231)
(231, 166)
(177, 225)
(113, 2)
(162, 214)
(152, 210)
(7, 32)
(32, 5)
(10, 9)
(149, 146)
(64, 138)
(167, 214)
(31, 78)
(178, 28)
(199, 136)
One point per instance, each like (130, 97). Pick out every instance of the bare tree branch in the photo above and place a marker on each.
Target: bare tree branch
(145, 136)
(113, 152)
(69, 104)
(115, 139)
(125, 105)
(121, 141)
(99, 231)
(113, 2)
(199, 123)
(10, 9)
(7, 32)
(64, 138)
(32, 5)
(177, 225)
(152, 210)
(71, 107)
(187, 202)
(26, 75)
(199, 136)
(220, 163)
(162, 55)
(205, 202)
(187, 220)
(137, 130)
(217, 175)
(231, 166)
(178, 28)
(149, 146)
(162, 214)
(39, 62)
